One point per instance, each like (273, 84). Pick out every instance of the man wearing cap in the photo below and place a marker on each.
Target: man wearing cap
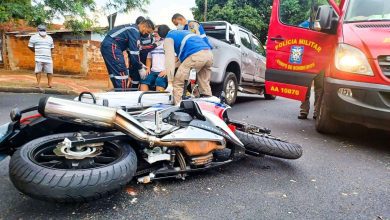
(42, 44)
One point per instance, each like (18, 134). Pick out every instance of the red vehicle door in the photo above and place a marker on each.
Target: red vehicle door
(296, 53)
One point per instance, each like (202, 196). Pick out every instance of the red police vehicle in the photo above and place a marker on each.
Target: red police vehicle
(347, 45)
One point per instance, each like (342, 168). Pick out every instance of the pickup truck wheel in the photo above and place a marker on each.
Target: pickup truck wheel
(269, 97)
(324, 122)
(230, 87)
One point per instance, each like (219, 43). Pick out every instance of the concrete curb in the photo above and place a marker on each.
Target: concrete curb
(36, 90)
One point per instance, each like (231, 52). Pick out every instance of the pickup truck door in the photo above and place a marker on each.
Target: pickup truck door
(260, 67)
(247, 57)
(295, 52)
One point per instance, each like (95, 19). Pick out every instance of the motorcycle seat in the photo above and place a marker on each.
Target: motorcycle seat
(192, 108)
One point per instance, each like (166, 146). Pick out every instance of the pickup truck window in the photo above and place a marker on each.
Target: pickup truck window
(299, 13)
(218, 30)
(245, 39)
(257, 46)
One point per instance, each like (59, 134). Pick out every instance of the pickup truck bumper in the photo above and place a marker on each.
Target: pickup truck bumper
(357, 102)
(216, 76)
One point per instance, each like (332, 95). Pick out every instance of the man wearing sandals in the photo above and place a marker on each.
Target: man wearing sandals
(42, 45)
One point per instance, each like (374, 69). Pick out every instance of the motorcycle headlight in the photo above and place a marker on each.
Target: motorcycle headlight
(3, 130)
(352, 60)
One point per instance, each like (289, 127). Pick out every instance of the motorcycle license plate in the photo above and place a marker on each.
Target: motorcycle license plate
(2, 157)
(3, 132)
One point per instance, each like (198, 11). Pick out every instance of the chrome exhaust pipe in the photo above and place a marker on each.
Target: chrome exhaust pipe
(111, 118)
(95, 116)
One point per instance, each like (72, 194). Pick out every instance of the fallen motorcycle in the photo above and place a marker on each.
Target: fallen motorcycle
(72, 151)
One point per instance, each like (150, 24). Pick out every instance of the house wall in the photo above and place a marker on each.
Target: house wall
(80, 58)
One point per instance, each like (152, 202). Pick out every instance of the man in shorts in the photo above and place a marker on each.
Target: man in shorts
(155, 67)
(42, 45)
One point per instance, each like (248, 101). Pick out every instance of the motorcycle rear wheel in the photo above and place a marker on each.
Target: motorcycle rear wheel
(37, 172)
(269, 146)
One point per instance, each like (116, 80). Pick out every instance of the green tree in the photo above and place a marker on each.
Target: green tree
(252, 14)
(76, 12)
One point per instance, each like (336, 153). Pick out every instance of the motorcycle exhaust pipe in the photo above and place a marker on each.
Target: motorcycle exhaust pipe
(111, 118)
(95, 116)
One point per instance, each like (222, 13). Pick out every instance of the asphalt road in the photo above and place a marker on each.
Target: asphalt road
(346, 176)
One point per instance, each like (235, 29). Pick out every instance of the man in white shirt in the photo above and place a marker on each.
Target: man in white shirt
(42, 44)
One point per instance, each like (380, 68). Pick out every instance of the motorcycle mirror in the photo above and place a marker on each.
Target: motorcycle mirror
(15, 114)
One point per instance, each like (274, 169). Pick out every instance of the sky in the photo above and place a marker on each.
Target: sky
(160, 11)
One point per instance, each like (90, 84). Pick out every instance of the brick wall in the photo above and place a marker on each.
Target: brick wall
(80, 58)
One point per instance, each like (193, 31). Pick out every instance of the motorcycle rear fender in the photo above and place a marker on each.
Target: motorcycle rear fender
(20, 134)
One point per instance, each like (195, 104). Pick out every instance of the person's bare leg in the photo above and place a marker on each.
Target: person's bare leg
(39, 76)
(144, 88)
(160, 89)
(49, 80)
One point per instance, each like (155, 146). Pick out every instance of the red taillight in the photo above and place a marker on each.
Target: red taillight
(28, 118)
(232, 127)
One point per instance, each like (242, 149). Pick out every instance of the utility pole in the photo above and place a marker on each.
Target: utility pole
(205, 10)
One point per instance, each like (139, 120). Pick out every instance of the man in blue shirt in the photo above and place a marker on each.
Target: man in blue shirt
(119, 39)
(193, 53)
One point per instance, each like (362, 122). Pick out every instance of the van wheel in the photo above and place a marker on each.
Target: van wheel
(324, 122)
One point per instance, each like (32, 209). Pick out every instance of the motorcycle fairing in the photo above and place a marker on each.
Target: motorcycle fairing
(219, 123)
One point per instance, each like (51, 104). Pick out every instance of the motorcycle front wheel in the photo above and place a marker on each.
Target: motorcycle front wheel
(38, 172)
(269, 146)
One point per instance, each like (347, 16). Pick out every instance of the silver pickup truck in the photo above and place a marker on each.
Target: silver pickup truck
(239, 61)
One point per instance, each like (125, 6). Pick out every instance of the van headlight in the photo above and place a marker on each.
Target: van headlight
(352, 60)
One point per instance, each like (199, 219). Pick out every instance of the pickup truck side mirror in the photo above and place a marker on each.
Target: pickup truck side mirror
(326, 19)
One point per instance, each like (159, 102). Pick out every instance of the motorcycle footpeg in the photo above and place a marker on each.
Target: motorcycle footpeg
(253, 153)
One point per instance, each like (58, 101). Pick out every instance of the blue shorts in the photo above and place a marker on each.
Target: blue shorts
(153, 80)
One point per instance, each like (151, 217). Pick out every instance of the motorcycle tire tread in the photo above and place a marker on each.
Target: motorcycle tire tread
(269, 146)
(67, 186)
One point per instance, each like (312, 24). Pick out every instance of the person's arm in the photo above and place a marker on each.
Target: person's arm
(148, 63)
(52, 44)
(31, 44)
(134, 51)
(194, 27)
(169, 59)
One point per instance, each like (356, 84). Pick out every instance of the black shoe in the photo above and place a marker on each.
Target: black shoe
(314, 117)
(302, 116)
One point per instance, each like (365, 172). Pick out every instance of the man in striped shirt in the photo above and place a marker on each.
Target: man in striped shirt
(42, 44)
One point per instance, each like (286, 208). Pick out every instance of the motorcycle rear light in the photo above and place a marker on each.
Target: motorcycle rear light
(232, 127)
(27, 119)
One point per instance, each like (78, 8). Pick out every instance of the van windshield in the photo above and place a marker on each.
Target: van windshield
(368, 10)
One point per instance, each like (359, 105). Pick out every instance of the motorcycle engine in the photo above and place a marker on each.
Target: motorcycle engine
(201, 161)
